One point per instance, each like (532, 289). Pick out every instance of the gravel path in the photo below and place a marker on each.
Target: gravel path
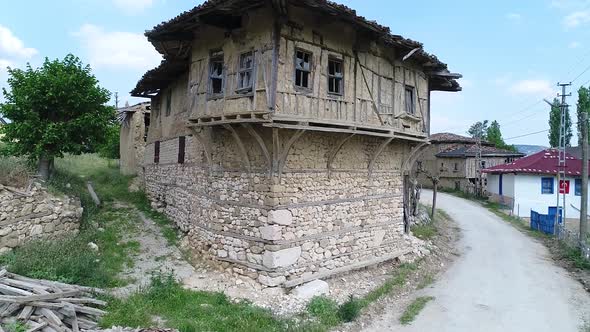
(503, 281)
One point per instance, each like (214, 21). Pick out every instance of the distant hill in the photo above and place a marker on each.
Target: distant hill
(529, 149)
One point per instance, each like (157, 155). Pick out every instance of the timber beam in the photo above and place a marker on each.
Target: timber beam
(285, 152)
(260, 142)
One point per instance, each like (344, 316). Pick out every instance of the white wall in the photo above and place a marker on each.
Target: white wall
(493, 186)
(528, 195)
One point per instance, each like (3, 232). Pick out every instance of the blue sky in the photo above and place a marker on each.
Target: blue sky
(511, 53)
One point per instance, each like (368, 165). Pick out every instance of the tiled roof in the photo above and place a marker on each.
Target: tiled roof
(454, 138)
(544, 162)
(471, 150)
(440, 78)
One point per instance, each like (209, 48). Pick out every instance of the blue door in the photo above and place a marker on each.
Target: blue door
(500, 186)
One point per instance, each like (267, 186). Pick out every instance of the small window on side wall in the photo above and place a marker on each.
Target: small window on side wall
(547, 186)
(181, 149)
(303, 69)
(245, 72)
(578, 187)
(335, 77)
(216, 74)
(157, 152)
(410, 100)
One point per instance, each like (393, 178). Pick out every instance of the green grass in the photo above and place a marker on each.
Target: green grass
(414, 309)
(189, 310)
(426, 281)
(429, 230)
(329, 314)
(15, 327)
(70, 259)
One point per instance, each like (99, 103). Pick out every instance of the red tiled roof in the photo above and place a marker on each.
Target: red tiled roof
(544, 162)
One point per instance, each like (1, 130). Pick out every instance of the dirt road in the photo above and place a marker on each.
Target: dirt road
(503, 281)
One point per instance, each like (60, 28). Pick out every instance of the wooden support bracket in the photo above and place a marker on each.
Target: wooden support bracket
(260, 142)
(335, 151)
(378, 153)
(415, 153)
(199, 135)
(287, 148)
(240, 145)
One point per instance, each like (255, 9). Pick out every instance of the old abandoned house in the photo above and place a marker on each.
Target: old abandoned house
(135, 123)
(280, 133)
(453, 158)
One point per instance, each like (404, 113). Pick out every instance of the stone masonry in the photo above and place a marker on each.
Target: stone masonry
(35, 214)
(284, 230)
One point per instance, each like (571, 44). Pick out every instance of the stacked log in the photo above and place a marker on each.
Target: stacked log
(48, 306)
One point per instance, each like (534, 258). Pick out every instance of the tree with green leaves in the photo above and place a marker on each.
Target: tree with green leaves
(54, 109)
(583, 106)
(555, 123)
(479, 129)
(494, 136)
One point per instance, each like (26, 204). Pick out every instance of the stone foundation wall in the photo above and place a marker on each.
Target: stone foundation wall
(35, 214)
(285, 229)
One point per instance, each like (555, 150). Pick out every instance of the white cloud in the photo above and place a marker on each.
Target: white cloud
(117, 49)
(574, 44)
(11, 46)
(576, 18)
(514, 16)
(132, 6)
(542, 88)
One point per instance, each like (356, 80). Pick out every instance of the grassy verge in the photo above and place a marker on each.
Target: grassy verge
(329, 314)
(188, 310)
(71, 259)
(414, 309)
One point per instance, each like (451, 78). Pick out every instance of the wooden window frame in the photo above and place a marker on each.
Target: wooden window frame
(156, 152)
(181, 149)
(243, 70)
(335, 77)
(216, 57)
(410, 109)
(296, 69)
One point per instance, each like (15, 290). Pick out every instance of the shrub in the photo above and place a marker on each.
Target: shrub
(14, 172)
(350, 310)
(325, 310)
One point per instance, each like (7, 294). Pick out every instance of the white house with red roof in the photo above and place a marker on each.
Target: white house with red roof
(530, 183)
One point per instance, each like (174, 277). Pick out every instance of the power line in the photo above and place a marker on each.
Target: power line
(529, 134)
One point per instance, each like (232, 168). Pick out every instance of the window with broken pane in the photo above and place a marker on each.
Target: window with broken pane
(245, 72)
(410, 101)
(216, 75)
(302, 69)
(335, 77)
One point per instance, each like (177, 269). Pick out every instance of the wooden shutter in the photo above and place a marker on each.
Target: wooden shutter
(156, 152)
(181, 149)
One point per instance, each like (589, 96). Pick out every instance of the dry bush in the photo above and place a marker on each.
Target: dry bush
(14, 172)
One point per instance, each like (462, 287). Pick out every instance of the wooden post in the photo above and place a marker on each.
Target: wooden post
(584, 198)
(93, 193)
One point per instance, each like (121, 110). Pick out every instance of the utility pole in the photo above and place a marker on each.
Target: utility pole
(478, 167)
(584, 198)
(562, 160)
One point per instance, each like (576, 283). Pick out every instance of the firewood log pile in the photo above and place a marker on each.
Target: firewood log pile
(48, 306)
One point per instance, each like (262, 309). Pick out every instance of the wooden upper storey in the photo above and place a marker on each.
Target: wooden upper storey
(284, 64)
